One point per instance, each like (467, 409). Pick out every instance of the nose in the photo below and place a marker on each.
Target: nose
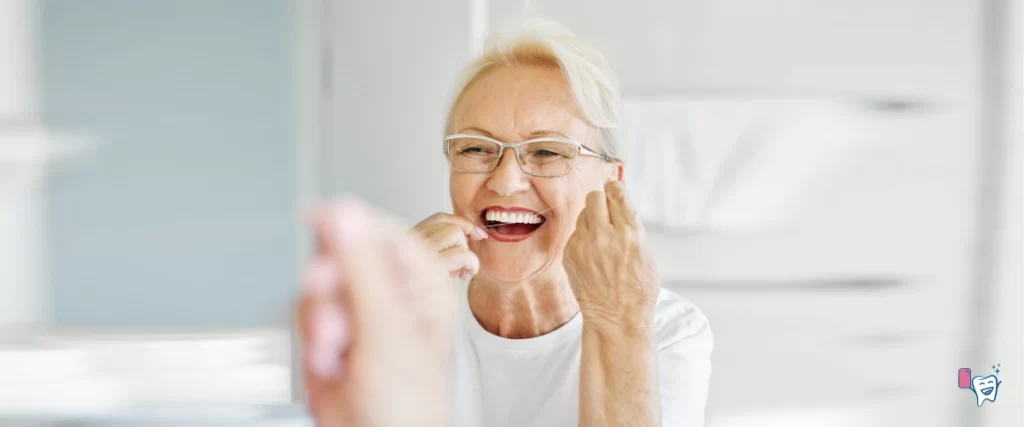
(507, 178)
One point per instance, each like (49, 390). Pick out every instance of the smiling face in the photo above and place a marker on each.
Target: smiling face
(985, 388)
(513, 104)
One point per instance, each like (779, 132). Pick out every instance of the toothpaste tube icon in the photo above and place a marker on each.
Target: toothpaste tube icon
(963, 379)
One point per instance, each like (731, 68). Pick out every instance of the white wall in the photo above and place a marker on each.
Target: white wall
(24, 290)
(999, 315)
(394, 65)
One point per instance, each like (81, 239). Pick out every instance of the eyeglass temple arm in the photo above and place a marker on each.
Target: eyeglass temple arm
(587, 151)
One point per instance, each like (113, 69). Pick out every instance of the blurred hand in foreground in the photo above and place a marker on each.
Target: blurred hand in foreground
(375, 318)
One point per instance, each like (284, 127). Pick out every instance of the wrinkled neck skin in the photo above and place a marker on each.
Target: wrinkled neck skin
(526, 309)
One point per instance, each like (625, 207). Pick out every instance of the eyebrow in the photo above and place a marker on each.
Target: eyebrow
(534, 134)
(476, 130)
(540, 133)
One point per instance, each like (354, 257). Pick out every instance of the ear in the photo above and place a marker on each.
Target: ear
(616, 172)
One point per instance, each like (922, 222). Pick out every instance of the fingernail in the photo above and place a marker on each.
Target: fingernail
(478, 233)
(329, 341)
(324, 364)
(335, 326)
(321, 277)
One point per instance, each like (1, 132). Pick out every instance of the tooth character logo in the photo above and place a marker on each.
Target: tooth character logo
(984, 388)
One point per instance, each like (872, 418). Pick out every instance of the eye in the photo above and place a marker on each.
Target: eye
(550, 150)
(475, 149)
(546, 153)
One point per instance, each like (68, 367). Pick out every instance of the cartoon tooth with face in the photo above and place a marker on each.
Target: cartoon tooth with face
(985, 388)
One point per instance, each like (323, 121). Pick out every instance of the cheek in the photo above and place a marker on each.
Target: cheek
(581, 182)
(566, 198)
(463, 188)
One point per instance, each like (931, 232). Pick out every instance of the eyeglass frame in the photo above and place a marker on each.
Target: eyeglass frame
(582, 150)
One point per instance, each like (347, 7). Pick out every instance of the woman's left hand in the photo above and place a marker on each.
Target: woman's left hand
(610, 269)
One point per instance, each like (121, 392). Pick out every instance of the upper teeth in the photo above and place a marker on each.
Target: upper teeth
(513, 217)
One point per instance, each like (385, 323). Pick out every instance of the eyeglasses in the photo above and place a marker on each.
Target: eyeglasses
(543, 157)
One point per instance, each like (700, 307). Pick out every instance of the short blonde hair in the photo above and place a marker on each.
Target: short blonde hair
(548, 43)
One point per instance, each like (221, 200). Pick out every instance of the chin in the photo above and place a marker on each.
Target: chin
(513, 269)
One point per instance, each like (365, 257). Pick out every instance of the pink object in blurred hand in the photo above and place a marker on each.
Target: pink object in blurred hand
(964, 378)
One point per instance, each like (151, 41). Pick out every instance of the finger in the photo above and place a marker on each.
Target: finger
(366, 247)
(430, 298)
(325, 331)
(322, 323)
(468, 228)
(444, 236)
(582, 221)
(326, 399)
(460, 258)
(321, 278)
(597, 207)
(620, 209)
(415, 269)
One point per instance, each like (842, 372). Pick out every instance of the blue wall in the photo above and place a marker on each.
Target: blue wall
(186, 214)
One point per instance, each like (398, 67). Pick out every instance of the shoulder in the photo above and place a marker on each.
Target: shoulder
(680, 324)
(684, 359)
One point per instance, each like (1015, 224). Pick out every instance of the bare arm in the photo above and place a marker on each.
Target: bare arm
(618, 378)
(616, 285)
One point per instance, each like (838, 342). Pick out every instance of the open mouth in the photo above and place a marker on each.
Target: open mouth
(987, 391)
(510, 224)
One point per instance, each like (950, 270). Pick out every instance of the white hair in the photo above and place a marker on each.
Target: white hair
(548, 43)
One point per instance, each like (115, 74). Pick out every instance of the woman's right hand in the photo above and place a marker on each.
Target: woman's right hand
(448, 235)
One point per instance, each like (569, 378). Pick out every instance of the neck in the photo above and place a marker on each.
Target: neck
(523, 309)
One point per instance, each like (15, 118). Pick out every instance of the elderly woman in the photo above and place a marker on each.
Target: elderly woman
(560, 317)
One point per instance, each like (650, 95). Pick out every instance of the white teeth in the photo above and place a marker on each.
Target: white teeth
(512, 218)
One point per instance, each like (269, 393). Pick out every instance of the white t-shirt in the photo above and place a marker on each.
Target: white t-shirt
(535, 382)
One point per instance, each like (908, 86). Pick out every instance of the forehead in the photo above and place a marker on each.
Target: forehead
(984, 379)
(513, 103)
